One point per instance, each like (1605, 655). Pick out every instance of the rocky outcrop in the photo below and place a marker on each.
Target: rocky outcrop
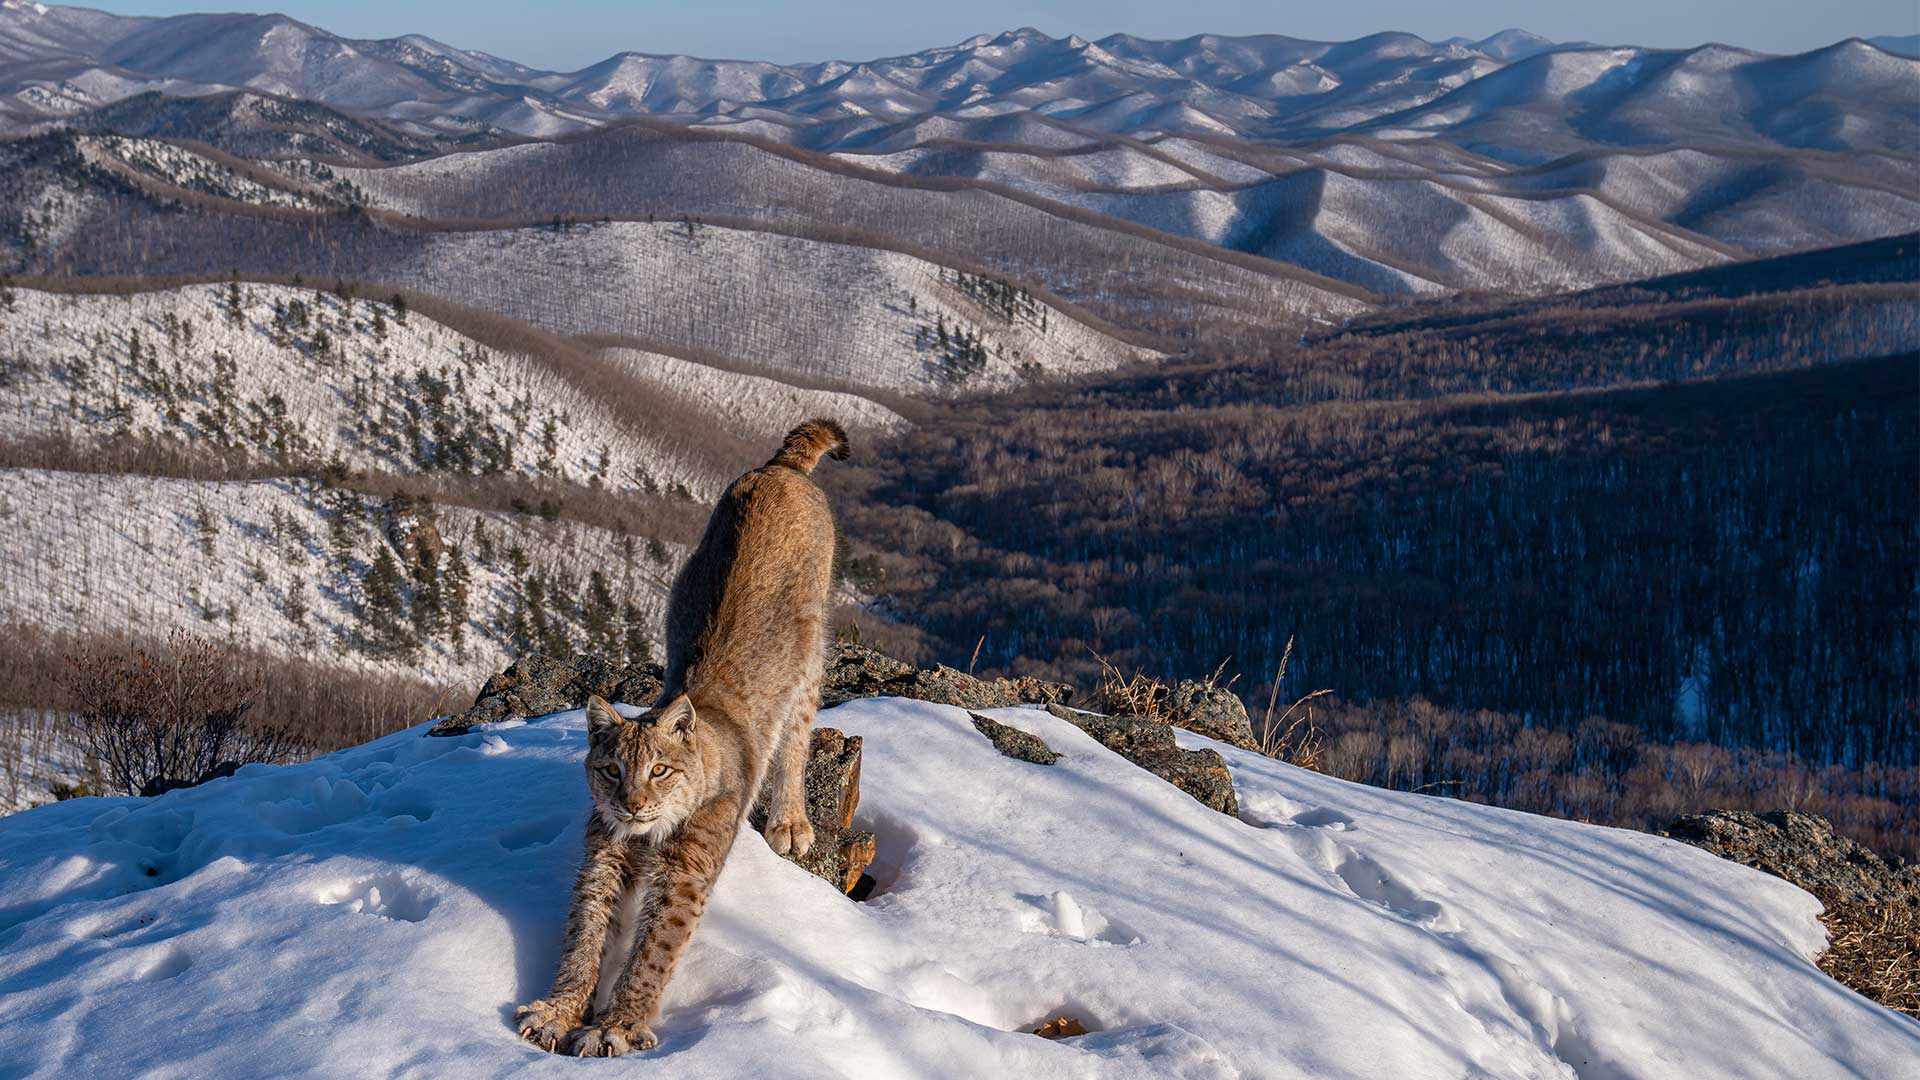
(855, 671)
(538, 685)
(1149, 744)
(840, 853)
(1802, 849)
(1014, 743)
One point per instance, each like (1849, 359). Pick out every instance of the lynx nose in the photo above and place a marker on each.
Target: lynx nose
(634, 805)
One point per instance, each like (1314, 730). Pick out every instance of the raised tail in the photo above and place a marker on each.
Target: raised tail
(806, 443)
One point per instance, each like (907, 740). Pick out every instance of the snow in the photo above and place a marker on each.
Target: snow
(383, 910)
(86, 550)
(69, 361)
(760, 408)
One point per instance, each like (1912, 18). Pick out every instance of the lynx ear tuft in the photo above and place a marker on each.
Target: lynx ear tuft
(600, 716)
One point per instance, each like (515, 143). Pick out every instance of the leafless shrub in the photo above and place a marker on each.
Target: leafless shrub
(158, 719)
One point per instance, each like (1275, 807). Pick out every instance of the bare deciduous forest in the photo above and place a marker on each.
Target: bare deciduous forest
(1616, 557)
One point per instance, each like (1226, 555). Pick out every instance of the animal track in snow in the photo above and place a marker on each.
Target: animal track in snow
(172, 961)
(1370, 881)
(1061, 915)
(1365, 878)
(389, 896)
(533, 833)
(406, 803)
(1269, 810)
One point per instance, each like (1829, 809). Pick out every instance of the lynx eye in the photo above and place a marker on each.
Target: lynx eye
(611, 772)
(659, 771)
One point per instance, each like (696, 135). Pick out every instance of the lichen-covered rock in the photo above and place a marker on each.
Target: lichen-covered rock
(840, 853)
(1803, 849)
(855, 671)
(538, 685)
(833, 778)
(838, 856)
(1149, 744)
(1213, 711)
(1013, 742)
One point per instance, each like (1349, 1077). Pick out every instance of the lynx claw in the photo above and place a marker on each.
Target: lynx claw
(543, 1024)
(611, 1040)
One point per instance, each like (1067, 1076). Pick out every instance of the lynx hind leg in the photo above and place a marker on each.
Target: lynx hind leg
(788, 831)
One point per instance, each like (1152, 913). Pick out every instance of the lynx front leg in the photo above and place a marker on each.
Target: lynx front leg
(596, 890)
(787, 827)
(689, 864)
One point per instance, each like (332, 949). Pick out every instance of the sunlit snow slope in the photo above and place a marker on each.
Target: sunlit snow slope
(382, 910)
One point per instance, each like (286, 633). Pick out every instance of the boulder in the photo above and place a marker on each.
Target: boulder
(1213, 711)
(1013, 742)
(538, 685)
(1149, 744)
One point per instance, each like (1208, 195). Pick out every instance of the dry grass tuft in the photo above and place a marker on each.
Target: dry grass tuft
(1138, 694)
(1874, 948)
(1294, 738)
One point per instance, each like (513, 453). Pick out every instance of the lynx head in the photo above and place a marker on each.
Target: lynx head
(645, 774)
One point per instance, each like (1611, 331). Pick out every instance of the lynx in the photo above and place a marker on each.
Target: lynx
(746, 650)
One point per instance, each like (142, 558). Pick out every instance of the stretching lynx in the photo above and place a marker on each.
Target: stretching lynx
(746, 649)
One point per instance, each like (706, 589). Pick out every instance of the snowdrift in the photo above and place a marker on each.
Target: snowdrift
(381, 910)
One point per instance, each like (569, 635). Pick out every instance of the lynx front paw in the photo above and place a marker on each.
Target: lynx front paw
(611, 1040)
(789, 835)
(545, 1024)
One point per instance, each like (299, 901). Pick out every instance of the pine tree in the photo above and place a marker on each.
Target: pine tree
(457, 588)
(634, 630)
(384, 610)
(429, 598)
(599, 615)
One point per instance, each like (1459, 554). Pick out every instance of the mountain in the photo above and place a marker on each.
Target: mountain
(55, 61)
(1267, 172)
(412, 891)
(1907, 45)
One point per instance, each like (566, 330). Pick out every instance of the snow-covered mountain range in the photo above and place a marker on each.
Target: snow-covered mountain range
(1514, 95)
(1332, 174)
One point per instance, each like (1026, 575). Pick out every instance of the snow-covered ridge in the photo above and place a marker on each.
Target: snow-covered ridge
(411, 892)
(199, 173)
(275, 566)
(304, 376)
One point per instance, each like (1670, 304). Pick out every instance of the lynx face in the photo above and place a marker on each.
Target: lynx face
(644, 774)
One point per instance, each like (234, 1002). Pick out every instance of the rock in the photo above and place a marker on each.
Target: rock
(411, 530)
(838, 856)
(840, 853)
(1149, 744)
(1804, 850)
(1213, 711)
(1013, 742)
(538, 685)
(855, 671)
(833, 779)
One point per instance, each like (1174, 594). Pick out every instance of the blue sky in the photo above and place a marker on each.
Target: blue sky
(568, 34)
